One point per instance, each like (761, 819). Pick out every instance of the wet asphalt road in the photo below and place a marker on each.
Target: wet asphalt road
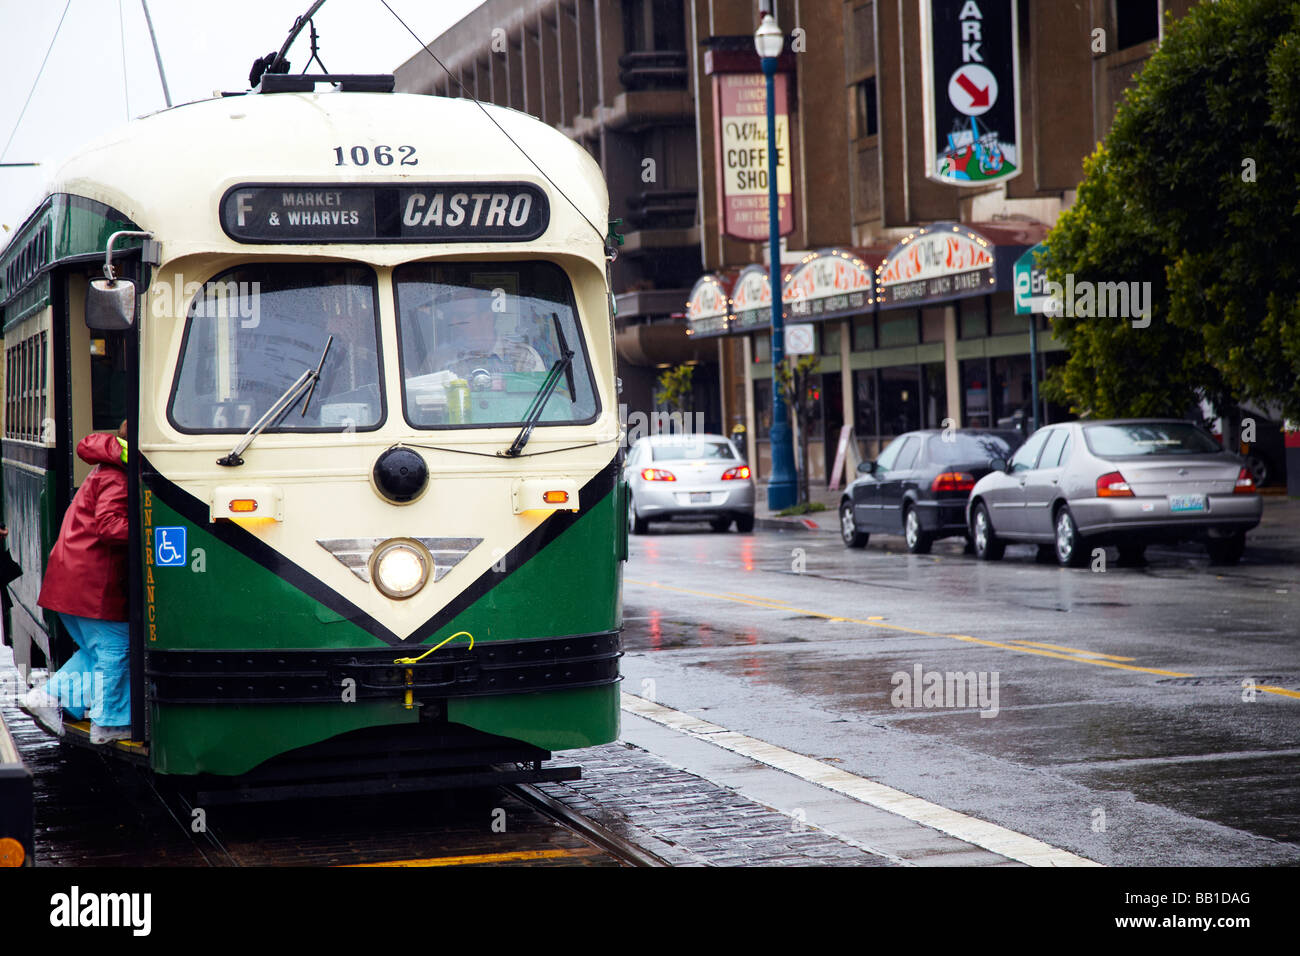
(1123, 730)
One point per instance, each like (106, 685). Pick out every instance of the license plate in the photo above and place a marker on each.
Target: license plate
(1186, 503)
(701, 497)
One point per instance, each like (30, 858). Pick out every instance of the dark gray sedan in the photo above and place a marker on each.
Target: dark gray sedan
(1130, 482)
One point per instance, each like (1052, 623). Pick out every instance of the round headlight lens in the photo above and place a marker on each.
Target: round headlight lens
(400, 568)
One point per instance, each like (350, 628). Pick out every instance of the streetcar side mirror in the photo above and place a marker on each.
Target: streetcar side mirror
(110, 305)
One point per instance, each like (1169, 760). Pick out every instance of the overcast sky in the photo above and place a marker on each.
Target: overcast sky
(205, 47)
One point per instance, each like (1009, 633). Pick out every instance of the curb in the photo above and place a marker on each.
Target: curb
(804, 525)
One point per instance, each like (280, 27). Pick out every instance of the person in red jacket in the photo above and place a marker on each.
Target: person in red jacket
(85, 582)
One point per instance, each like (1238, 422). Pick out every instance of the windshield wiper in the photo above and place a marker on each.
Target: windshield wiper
(280, 408)
(561, 367)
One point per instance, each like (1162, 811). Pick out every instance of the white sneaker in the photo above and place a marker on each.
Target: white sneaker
(44, 708)
(103, 735)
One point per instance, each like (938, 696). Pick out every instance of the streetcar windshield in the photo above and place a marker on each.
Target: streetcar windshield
(478, 338)
(252, 331)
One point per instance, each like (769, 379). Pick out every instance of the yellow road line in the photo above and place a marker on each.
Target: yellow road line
(1279, 690)
(486, 858)
(913, 630)
(1075, 650)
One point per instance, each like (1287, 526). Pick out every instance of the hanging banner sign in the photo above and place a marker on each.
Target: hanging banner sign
(740, 103)
(970, 68)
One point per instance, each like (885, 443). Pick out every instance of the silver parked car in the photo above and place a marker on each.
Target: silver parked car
(701, 477)
(1126, 482)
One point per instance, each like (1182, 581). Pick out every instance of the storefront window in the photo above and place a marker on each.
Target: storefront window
(1013, 406)
(932, 324)
(828, 334)
(900, 399)
(762, 347)
(975, 393)
(864, 333)
(763, 408)
(1005, 320)
(936, 395)
(865, 402)
(899, 328)
(972, 318)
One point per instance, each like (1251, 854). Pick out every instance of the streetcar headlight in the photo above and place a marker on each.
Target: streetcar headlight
(400, 567)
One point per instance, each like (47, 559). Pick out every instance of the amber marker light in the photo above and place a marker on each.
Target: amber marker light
(243, 506)
(556, 497)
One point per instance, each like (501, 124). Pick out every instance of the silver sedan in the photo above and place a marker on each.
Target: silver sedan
(701, 477)
(1127, 482)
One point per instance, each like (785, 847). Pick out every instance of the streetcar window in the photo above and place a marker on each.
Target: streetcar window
(252, 331)
(478, 338)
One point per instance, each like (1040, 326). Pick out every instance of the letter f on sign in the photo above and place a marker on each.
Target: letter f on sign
(242, 206)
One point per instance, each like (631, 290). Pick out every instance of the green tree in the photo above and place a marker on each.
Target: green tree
(794, 375)
(676, 388)
(1197, 191)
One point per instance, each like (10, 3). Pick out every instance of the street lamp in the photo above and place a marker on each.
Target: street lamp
(782, 488)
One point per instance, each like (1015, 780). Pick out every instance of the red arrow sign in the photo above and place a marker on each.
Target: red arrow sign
(978, 97)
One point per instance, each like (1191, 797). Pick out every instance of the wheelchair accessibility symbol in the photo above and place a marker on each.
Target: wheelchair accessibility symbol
(169, 547)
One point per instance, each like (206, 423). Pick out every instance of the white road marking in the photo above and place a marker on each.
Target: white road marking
(989, 836)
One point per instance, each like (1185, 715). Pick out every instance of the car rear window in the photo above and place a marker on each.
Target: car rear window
(684, 451)
(1148, 438)
(961, 448)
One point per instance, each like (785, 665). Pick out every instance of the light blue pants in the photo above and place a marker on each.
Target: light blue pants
(96, 681)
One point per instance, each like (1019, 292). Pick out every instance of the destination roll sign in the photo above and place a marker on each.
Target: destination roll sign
(411, 212)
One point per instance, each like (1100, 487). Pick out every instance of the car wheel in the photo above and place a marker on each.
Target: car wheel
(987, 545)
(635, 523)
(1226, 550)
(1070, 549)
(720, 524)
(1132, 555)
(918, 542)
(852, 537)
(744, 523)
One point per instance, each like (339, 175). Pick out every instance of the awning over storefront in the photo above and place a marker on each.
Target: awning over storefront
(826, 284)
(948, 260)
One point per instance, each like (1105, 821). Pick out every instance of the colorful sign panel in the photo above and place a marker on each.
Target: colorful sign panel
(1030, 283)
(740, 101)
(708, 308)
(943, 261)
(970, 69)
(828, 284)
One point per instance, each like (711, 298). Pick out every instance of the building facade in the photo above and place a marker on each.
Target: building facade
(905, 281)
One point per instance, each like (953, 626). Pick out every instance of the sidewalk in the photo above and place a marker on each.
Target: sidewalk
(1276, 539)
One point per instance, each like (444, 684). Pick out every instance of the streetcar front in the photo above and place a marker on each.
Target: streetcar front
(379, 445)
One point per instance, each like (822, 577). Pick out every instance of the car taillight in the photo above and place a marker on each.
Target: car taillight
(740, 471)
(1245, 483)
(657, 474)
(1113, 485)
(953, 481)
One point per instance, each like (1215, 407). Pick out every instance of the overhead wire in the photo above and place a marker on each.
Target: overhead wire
(28, 101)
(121, 35)
(603, 238)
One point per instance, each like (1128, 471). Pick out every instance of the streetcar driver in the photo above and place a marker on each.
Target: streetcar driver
(473, 338)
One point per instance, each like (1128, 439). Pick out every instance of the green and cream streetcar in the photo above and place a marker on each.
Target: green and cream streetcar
(364, 344)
